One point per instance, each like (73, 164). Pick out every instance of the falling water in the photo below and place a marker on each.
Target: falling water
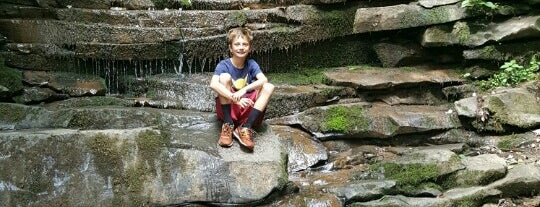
(180, 53)
(203, 63)
(180, 63)
(190, 64)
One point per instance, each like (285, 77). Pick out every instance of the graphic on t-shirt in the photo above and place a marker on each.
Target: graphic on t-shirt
(240, 82)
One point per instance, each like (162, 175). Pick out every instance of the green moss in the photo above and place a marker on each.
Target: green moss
(497, 105)
(10, 78)
(509, 142)
(305, 76)
(82, 119)
(470, 201)
(283, 29)
(437, 15)
(38, 181)
(284, 178)
(434, 15)
(15, 112)
(339, 22)
(489, 52)
(108, 154)
(150, 144)
(128, 182)
(236, 19)
(462, 31)
(344, 119)
(172, 4)
(132, 185)
(410, 177)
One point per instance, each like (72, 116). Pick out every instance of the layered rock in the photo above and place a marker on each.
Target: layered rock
(147, 161)
(358, 141)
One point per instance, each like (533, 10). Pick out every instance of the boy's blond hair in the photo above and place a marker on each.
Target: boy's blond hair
(240, 31)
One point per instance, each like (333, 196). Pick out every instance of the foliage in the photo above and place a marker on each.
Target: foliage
(512, 74)
(481, 6)
(185, 3)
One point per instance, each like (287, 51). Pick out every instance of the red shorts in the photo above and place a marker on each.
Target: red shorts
(240, 115)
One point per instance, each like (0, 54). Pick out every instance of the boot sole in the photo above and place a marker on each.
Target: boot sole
(225, 145)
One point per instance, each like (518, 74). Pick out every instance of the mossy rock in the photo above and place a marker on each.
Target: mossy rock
(410, 178)
(78, 84)
(345, 119)
(303, 76)
(10, 78)
(236, 19)
(111, 153)
(513, 141)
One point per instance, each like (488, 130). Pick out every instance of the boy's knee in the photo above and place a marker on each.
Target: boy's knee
(268, 87)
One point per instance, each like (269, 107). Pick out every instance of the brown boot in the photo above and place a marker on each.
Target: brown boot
(243, 134)
(225, 139)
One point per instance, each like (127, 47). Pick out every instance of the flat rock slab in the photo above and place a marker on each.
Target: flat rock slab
(405, 16)
(361, 120)
(382, 78)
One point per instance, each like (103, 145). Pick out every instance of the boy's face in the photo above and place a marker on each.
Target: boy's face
(240, 47)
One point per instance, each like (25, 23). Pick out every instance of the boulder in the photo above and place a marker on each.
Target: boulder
(405, 16)
(505, 107)
(161, 164)
(477, 34)
(303, 151)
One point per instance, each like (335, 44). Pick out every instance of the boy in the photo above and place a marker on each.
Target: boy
(243, 91)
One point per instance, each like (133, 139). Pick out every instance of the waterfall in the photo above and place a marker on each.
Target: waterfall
(180, 54)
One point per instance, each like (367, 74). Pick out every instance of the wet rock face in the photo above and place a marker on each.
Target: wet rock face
(142, 164)
(303, 151)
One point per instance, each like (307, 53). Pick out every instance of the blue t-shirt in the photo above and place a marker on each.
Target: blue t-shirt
(240, 77)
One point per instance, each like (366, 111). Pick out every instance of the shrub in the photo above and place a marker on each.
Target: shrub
(512, 74)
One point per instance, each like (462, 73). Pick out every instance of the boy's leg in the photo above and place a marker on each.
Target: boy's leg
(264, 96)
(244, 133)
(225, 103)
(260, 104)
(225, 139)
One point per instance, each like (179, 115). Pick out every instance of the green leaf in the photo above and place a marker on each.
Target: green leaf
(490, 5)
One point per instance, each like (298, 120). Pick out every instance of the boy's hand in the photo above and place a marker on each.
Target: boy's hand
(237, 96)
(245, 102)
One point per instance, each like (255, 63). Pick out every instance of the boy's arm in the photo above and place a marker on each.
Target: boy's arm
(261, 80)
(220, 88)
